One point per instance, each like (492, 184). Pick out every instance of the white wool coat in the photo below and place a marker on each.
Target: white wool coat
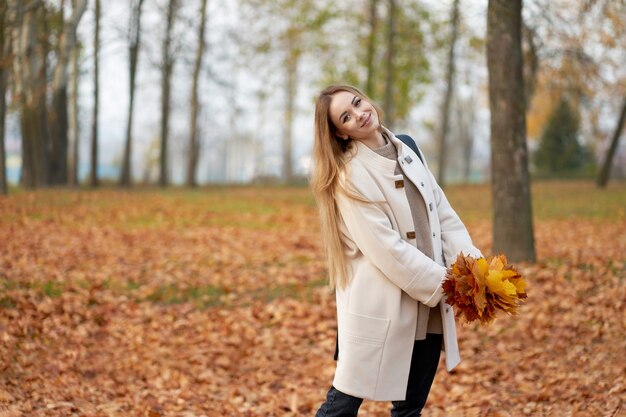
(377, 311)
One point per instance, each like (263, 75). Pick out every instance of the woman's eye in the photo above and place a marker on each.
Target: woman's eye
(346, 118)
(357, 102)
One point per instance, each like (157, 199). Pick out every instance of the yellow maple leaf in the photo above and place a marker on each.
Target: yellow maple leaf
(520, 284)
(498, 285)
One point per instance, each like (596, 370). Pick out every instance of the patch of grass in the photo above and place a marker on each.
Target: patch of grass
(132, 285)
(167, 294)
(202, 296)
(52, 289)
(8, 284)
(550, 200)
(281, 291)
(292, 290)
(578, 199)
(241, 206)
(205, 296)
(7, 302)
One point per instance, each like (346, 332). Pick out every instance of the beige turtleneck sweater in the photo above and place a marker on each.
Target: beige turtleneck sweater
(426, 322)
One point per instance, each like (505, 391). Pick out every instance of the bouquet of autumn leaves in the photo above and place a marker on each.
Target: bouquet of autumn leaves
(480, 287)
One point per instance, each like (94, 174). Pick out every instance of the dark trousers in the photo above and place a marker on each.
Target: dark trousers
(424, 363)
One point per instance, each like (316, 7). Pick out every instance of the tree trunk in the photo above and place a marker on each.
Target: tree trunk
(57, 174)
(168, 64)
(445, 108)
(512, 213)
(371, 48)
(290, 90)
(58, 114)
(194, 148)
(73, 114)
(134, 37)
(391, 31)
(466, 118)
(4, 57)
(94, 181)
(605, 173)
(29, 79)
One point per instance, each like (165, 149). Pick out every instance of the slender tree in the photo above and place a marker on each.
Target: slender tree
(166, 82)
(306, 19)
(73, 133)
(93, 176)
(291, 69)
(512, 214)
(449, 89)
(4, 59)
(194, 148)
(465, 112)
(389, 75)
(134, 37)
(605, 172)
(371, 47)
(58, 148)
(291, 30)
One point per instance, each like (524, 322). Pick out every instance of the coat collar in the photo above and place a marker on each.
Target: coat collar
(370, 158)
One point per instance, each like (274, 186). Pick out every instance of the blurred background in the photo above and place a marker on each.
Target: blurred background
(223, 91)
(189, 298)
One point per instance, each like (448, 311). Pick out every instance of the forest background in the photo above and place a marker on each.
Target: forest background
(159, 246)
(230, 87)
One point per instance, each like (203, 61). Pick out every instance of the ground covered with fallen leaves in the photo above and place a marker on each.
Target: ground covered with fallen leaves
(211, 302)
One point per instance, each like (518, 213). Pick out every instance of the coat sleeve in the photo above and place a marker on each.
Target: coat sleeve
(407, 267)
(454, 235)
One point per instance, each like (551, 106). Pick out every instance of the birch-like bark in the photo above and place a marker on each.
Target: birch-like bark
(166, 82)
(94, 181)
(291, 85)
(194, 146)
(134, 37)
(445, 108)
(4, 62)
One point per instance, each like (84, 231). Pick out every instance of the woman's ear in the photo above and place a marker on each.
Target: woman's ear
(341, 135)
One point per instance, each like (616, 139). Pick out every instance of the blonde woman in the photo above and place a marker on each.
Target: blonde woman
(388, 231)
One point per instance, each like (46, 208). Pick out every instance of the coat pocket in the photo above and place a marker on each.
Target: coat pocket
(361, 345)
(371, 330)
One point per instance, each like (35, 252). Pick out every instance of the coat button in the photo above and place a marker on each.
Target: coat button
(447, 309)
(422, 183)
(399, 183)
(430, 206)
(433, 234)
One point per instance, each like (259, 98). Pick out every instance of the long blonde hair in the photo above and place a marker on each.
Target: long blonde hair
(330, 155)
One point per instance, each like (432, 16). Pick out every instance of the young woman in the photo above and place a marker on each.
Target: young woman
(388, 231)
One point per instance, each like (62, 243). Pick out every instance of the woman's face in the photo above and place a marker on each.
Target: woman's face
(353, 116)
